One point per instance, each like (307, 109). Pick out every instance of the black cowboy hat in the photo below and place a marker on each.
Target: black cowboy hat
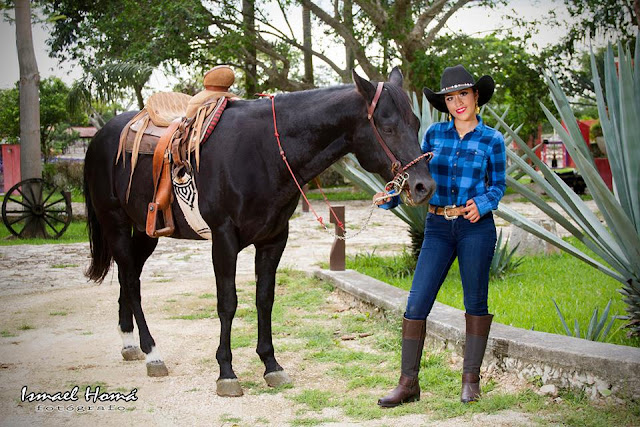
(457, 78)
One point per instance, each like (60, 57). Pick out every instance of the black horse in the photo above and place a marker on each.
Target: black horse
(246, 196)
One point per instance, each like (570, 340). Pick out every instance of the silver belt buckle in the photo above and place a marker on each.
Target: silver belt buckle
(447, 217)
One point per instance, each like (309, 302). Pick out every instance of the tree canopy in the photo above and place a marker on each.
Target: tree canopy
(54, 115)
(516, 72)
(201, 34)
(195, 35)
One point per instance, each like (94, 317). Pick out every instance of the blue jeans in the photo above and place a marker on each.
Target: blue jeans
(473, 244)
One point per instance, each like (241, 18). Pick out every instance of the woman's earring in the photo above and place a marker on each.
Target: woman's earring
(449, 116)
(477, 109)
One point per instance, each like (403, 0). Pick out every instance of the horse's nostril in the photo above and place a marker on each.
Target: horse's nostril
(420, 188)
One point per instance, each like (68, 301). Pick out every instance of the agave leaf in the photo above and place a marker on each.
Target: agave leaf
(602, 196)
(518, 220)
(576, 328)
(496, 257)
(619, 167)
(603, 319)
(589, 335)
(637, 61)
(562, 105)
(558, 190)
(630, 128)
(568, 200)
(604, 334)
(560, 219)
(617, 220)
(564, 323)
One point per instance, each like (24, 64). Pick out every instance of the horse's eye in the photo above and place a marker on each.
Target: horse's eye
(387, 129)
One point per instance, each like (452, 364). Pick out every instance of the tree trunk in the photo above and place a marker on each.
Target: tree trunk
(306, 41)
(30, 163)
(636, 7)
(139, 98)
(347, 12)
(248, 19)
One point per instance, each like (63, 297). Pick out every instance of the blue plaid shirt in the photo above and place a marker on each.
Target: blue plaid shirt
(469, 168)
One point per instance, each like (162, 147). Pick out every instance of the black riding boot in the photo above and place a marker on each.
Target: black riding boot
(474, 347)
(408, 389)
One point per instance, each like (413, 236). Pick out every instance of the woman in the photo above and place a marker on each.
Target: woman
(468, 166)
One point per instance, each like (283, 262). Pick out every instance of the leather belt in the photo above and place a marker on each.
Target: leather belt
(450, 212)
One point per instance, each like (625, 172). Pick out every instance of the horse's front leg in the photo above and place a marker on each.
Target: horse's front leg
(225, 255)
(267, 260)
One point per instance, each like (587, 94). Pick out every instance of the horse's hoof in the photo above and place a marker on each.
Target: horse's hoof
(157, 369)
(228, 387)
(277, 378)
(132, 353)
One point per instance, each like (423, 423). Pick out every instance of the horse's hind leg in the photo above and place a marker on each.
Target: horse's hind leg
(143, 248)
(125, 247)
(267, 260)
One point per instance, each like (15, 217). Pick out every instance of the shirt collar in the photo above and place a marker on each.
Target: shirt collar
(479, 126)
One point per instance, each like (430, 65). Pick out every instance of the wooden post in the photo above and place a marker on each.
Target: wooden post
(305, 205)
(337, 256)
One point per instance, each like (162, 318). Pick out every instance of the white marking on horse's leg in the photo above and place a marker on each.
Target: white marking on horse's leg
(154, 355)
(128, 338)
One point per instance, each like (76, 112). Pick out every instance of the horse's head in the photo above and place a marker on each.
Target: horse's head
(397, 140)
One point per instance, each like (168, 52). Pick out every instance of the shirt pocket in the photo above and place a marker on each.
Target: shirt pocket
(474, 158)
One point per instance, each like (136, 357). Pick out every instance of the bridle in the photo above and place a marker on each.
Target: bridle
(401, 176)
(398, 183)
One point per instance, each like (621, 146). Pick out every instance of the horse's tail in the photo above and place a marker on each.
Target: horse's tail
(101, 256)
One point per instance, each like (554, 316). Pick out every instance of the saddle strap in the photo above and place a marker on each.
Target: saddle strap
(123, 136)
(162, 190)
(159, 153)
(134, 153)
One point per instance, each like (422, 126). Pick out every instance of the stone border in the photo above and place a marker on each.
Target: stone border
(598, 368)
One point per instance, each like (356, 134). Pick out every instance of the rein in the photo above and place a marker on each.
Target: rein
(398, 183)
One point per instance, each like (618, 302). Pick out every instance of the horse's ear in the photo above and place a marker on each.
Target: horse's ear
(364, 86)
(395, 77)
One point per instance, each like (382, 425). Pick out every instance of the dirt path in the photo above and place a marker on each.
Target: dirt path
(59, 331)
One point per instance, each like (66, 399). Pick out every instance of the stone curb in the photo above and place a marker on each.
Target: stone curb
(598, 368)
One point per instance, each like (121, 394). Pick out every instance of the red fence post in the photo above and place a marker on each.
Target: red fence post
(337, 256)
(11, 165)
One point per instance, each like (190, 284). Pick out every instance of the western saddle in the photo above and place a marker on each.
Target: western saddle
(170, 127)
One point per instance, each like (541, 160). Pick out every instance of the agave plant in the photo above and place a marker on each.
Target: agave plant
(598, 328)
(504, 261)
(617, 241)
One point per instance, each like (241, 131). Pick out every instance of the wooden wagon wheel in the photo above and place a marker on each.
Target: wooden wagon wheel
(32, 204)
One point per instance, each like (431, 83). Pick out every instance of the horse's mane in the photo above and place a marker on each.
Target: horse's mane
(311, 96)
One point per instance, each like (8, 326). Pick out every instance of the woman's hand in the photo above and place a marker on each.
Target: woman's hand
(378, 200)
(471, 211)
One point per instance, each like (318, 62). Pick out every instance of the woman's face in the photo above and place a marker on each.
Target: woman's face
(462, 104)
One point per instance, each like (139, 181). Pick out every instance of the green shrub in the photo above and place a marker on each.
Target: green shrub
(65, 175)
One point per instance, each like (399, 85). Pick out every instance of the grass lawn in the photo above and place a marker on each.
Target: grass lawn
(350, 357)
(523, 298)
(77, 232)
(361, 369)
(344, 193)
